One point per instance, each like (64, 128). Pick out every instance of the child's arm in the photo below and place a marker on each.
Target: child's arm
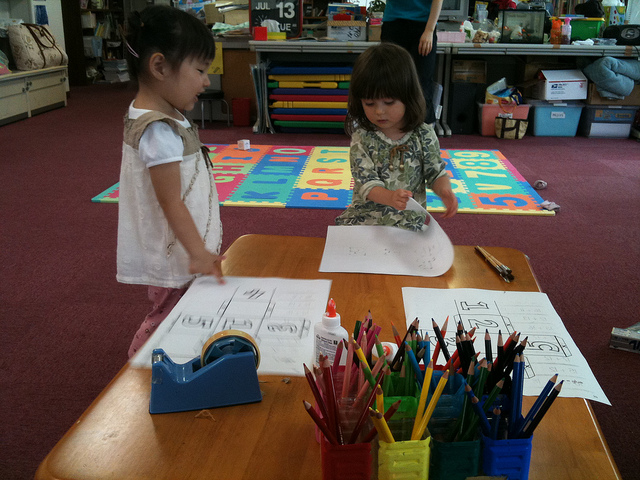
(394, 198)
(166, 183)
(442, 187)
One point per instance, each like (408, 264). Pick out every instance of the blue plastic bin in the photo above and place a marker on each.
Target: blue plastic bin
(555, 119)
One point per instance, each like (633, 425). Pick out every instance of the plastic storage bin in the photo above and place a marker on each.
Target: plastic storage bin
(454, 460)
(346, 462)
(507, 457)
(487, 114)
(585, 28)
(408, 460)
(607, 121)
(555, 119)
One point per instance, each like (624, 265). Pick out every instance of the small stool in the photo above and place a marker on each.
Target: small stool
(210, 96)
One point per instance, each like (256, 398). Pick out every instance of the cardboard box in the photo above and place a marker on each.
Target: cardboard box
(594, 98)
(347, 30)
(469, 71)
(212, 14)
(236, 17)
(373, 33)
(561, 85)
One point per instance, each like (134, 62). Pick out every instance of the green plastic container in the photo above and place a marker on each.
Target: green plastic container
(585, 28)
(454, 460)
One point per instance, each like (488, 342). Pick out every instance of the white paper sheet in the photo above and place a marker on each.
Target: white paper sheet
(550, 349)
(278, 313)
(387, 250)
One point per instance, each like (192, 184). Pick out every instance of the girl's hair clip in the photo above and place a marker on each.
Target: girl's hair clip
(131, 50)
(124, 39)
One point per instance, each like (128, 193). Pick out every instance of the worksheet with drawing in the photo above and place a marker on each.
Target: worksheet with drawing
(387, 250)
(278, 313)
(550, 349)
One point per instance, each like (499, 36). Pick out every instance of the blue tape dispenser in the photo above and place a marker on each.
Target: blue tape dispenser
(225, 374)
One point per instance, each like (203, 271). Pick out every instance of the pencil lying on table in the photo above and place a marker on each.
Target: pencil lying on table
(504, 271)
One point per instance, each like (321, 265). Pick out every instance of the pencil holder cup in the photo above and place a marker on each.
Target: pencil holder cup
(454, 460)
(449, 404)
(407, 460)
(511, 458)
(401, 424)
(349, 412)
(346, 462)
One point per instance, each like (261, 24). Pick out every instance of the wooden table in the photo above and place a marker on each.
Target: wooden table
(117, 438)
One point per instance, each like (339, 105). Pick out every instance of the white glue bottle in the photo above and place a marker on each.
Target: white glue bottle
(328, 333)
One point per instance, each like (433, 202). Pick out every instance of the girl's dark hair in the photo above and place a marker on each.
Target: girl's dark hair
(162, 29)
(385, 71)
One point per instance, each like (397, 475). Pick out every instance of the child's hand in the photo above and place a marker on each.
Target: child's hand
(399, 198)
(450, 202)
(442, 188)
(207, 263)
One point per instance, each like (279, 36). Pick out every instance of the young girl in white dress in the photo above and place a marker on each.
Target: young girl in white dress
(169, 227)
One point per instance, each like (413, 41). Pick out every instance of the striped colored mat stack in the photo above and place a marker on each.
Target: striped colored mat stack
(308, 99)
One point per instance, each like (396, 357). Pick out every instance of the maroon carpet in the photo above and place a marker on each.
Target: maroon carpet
(67, 324)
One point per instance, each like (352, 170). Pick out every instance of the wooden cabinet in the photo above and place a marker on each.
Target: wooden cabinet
(25, 94)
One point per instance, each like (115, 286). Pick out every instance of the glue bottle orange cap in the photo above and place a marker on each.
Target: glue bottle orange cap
(331, 308)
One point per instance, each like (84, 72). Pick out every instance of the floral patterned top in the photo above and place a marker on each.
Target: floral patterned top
(412, 163)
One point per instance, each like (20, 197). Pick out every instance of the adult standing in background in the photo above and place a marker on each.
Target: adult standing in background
(412, 25)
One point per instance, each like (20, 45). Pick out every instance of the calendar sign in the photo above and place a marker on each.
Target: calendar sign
(288, 14)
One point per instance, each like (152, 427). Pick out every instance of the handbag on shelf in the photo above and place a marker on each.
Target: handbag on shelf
(511, 128)
(34, 47)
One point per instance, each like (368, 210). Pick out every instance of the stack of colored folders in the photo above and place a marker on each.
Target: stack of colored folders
(308, 99)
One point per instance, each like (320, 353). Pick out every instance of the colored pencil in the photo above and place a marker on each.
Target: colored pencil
(493, 395)
(515, 398)
(422, 402)
(315, 391)
(346, 381)
(395, 363)
(383, 428)
(332, 401)
(484, 421)
(365, 365)
(528, 429)
(538, 403)
(387, 416)
(414, 363)
(320, 423)
(441, 343)
(338, 357)
(431, 407)
(363, 414)
(495, 423)
(396, 335)
(487, 346)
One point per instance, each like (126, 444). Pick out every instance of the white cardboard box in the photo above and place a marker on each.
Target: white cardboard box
(561, 85)
(347, 31)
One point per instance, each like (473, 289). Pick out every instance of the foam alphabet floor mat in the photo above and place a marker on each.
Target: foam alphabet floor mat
(319, 177)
